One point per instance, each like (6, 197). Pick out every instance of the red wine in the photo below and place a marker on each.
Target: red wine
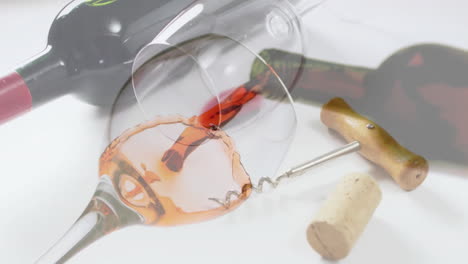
(91, 47)
(213, 118)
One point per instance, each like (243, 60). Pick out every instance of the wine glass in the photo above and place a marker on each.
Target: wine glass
(208, 116)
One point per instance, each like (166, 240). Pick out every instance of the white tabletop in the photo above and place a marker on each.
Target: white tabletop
(49, 161)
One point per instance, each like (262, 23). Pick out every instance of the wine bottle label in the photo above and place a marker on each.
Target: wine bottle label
(99, 2)
(15, 97)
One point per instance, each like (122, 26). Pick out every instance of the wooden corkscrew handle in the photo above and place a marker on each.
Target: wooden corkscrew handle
(377, 145)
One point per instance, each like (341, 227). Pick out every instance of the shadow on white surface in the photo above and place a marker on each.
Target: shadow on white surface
(437, 207)
(380, 243)
(383, 244)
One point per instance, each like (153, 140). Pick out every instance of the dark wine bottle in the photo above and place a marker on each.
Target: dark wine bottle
(90, 51)
(419, 94)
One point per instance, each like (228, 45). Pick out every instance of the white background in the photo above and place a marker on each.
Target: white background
(48, 160)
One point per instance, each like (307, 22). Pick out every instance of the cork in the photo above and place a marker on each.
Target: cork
(344, 216)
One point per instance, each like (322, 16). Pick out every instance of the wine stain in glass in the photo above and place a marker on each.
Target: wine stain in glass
(169, 183)
(134, 163)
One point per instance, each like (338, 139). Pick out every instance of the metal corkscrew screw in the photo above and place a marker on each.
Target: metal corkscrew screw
(408, 170)
(291, 173)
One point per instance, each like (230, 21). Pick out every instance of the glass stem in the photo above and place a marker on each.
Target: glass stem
(105, 213)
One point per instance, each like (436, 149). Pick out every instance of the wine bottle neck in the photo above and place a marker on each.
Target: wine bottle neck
(45, 75)
(105, 214)
(311, 80)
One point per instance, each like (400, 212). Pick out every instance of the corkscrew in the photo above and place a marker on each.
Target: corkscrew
(291, 173)
(373, 142)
